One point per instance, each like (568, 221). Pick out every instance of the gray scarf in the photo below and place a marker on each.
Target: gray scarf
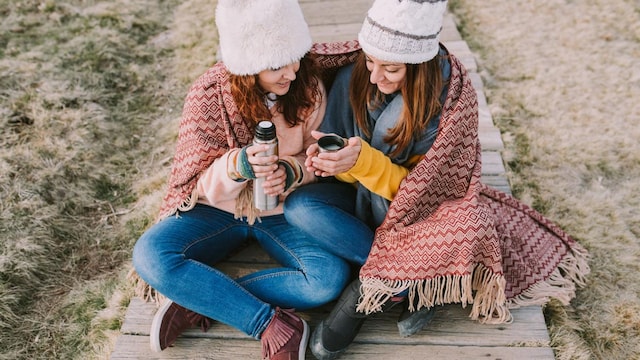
(370, 207)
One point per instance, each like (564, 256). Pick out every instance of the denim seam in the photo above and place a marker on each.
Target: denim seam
(206, 237)
(275, 239)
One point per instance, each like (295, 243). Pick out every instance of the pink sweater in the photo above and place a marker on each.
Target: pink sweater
(216, 188)
(211, 127)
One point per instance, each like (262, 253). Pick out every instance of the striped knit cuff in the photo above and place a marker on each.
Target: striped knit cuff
(243, 167)
(233, 165)
(294, 173)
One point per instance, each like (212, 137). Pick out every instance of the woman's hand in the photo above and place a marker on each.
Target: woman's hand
(267, 167)
(332, 163)
(312, 151)
(262, 166)
(276, 182)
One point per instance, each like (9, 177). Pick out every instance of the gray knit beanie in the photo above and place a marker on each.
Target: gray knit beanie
(404, 31)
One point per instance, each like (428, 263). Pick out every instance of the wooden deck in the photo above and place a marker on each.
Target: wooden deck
(451, 335)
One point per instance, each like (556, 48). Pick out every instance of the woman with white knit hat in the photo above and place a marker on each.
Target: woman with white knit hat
(409, 206)
(266, 73)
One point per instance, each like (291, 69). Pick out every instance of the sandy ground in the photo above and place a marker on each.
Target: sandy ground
(562, 80)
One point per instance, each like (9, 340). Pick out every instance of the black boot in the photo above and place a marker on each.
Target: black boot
(335, 333)
(410, 323)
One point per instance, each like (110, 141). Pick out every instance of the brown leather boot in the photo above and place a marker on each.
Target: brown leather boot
(285, 338)
(170, 321)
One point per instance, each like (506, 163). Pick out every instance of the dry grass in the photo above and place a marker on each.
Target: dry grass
(90, 95)
(90, 98)
(81, 96)
(563, 84)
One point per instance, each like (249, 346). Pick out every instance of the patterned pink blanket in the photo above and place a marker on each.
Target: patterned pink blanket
(448, 238)
(211, 125)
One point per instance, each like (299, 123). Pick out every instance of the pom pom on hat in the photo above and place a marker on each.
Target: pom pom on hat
(257, 35)
(404, 31)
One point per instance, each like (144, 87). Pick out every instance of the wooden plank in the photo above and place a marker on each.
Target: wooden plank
(450, 326)
(335, 12)
(340, 32)
(461, 50)
(485, 120)
(492, 163)
(476, 80)
(421, 352)
(449, 29)
(491, 141)
(451, 332)
(499, 182)
(137, 347)
(450, 335)
(335, 20)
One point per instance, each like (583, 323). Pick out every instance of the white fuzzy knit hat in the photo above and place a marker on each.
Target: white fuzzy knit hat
(404, 31)
(256, 35)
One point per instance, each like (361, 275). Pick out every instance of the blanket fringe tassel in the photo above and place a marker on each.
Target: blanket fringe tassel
(482, 288)
(143, 290)
(489, 303)
(561, 284)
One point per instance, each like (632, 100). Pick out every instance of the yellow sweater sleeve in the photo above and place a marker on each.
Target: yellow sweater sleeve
(375, 171)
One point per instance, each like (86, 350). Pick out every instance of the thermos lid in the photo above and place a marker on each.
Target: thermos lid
(265, 130)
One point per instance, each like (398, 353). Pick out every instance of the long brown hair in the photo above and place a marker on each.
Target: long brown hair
(421, 94)
(294, 105)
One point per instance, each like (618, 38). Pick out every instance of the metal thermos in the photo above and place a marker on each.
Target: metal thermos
(265, 133)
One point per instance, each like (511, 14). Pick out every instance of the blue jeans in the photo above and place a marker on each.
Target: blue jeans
(177, 257)
(325, 212)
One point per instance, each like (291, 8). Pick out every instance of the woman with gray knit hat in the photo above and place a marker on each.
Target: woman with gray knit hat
(408, 205)
(266, 74)
(398, 87)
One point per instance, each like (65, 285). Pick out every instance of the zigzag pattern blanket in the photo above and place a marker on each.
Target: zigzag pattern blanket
(211, 124)
(448, 238)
